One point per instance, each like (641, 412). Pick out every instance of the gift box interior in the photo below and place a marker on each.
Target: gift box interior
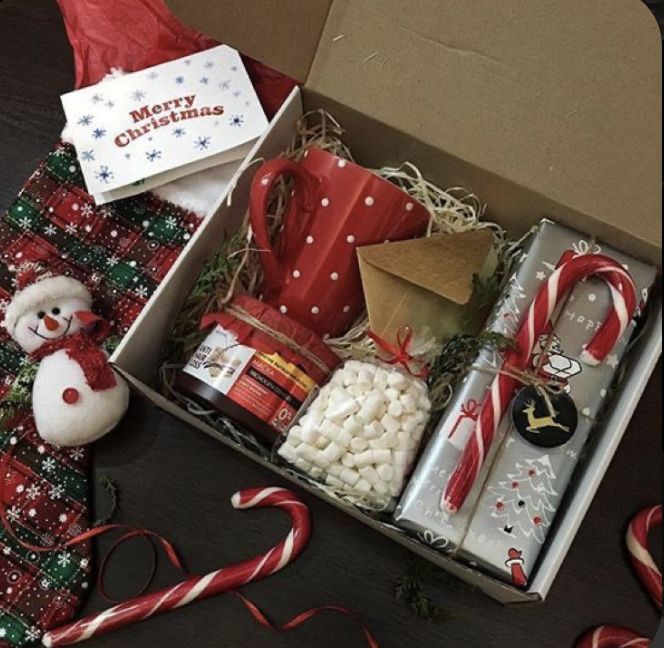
(539, 110)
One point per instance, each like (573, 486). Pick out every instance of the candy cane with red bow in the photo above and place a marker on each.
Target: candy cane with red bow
(569, 272)
(612, 636)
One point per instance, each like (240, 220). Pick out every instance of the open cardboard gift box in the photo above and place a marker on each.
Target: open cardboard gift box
(540, 109)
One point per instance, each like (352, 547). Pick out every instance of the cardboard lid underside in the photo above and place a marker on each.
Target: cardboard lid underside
(563, 99)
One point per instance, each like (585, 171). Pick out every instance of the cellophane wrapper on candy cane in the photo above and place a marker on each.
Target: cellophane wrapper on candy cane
(481, 531)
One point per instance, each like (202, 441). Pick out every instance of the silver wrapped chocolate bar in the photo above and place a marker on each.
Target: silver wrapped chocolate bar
(508, 513)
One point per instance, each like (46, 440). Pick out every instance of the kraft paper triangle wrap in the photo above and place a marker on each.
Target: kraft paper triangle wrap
(424, 282)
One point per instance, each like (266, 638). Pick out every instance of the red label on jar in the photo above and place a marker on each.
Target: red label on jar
(272, 390)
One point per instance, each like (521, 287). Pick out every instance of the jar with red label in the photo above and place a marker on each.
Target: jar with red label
(256, 366)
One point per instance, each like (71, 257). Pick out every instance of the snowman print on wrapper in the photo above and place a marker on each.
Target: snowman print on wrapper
(76, 397)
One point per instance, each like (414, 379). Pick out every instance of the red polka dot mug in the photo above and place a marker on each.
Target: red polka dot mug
(311, 268)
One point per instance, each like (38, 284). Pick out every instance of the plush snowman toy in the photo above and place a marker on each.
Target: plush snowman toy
(76, 397)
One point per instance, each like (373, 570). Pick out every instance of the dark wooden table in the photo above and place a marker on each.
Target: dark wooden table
(178, 481)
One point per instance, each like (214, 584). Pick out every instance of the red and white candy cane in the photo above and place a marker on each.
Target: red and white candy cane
(612, 636)
(569, 272)
(199, 587)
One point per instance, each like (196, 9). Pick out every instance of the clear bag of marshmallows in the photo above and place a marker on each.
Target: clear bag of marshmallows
(361, 433)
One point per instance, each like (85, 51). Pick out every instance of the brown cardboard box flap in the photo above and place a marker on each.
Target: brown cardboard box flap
(561, 98)
(284, 34)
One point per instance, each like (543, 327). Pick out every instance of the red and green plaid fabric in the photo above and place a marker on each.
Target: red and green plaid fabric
(121, 251)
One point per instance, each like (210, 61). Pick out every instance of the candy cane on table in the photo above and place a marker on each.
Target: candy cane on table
(570, 271)
(199, 587)
(612, 636)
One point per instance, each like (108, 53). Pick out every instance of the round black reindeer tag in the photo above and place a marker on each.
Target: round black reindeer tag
(543, 418)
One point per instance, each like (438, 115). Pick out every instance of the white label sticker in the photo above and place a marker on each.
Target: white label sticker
(219, 361)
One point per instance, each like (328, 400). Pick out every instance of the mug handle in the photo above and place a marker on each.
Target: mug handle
(306, 186)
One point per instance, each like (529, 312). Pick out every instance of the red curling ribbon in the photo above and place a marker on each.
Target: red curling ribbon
(303, 617)
(399, 352)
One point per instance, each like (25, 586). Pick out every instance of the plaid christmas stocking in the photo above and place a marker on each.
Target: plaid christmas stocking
(121, 252)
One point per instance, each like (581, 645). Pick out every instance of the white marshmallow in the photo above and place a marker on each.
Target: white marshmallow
(380, 379)
(390, 424)
(355, 365)
(381, 456)
(397, 380)
(344, 438)
(295, 436)
(355, 390)
(370, 474)
(349, 476)
(380, 487)
(309, 436)
(421, 416)
(337, 379)
(348, 460)
(302, 464)
(420, 386)
(322, 442)
(308, 453)
(400, 459)
(342, 408)
(358, 444)
(333, 481)
(403, 440)
(395, 409)
(390, 440)
(352, 426)
(409, 423)
(424, 403)
(395, 489)
(317, 473)
(373, 430)
(334, 469)
(392, 395)
(332, 454)
(365, 377)
(418, 432)
(287, 451)
(329, 429)
(369, 410)
(363, 486)
(350, 376)
(365, 458)
(385, 472)
(408, 403)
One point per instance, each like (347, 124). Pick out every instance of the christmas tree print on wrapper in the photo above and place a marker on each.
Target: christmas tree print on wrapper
(522, 501)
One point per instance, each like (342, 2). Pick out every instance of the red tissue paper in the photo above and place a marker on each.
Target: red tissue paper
(135, 34)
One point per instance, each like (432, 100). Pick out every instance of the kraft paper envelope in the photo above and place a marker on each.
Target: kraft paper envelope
(424, 282)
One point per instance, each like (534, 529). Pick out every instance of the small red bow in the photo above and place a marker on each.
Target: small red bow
(400, 355)
(471, 409)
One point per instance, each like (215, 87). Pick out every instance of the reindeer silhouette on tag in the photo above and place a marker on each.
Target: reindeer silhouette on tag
(543, 418)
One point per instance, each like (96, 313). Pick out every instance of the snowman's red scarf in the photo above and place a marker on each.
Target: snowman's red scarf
(83, 348)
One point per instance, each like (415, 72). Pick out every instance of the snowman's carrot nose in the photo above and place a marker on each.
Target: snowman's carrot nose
(50, 323)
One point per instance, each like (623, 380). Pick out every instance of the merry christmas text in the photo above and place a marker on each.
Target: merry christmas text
(178, 110)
